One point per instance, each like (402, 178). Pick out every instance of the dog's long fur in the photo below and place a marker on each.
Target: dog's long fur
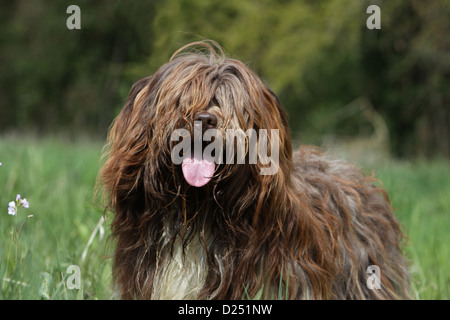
(312, 228)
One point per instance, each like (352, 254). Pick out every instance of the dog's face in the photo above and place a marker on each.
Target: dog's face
(199, 121)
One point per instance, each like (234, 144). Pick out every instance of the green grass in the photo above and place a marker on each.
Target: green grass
(58, 180)
(420, 193)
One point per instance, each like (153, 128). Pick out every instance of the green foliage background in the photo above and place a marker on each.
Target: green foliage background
(318, 56)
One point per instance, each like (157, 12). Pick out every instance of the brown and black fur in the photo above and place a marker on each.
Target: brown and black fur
(313, 228)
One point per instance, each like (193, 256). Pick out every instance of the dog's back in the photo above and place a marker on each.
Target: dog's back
(364, 232)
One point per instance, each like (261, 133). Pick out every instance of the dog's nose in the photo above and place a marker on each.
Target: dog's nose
(209, 121)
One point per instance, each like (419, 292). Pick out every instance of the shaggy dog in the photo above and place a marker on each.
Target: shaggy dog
(313, 228)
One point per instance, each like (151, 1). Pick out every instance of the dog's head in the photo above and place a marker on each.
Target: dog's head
(201, 122)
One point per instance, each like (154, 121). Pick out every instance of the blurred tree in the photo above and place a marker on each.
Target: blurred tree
(407, 74)
(54, 79)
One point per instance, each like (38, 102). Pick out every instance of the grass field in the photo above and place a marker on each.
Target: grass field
(58, 179)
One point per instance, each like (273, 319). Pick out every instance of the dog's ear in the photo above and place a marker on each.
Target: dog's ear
(135, 94)
(125, 147)
(280, 108)
(280, 119)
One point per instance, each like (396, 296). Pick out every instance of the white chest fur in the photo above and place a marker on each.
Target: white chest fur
(181, 276)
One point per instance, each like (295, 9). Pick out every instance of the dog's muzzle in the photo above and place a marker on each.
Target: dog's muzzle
(198, 170)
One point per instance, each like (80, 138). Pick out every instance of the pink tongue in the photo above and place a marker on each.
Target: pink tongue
(198, 172)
